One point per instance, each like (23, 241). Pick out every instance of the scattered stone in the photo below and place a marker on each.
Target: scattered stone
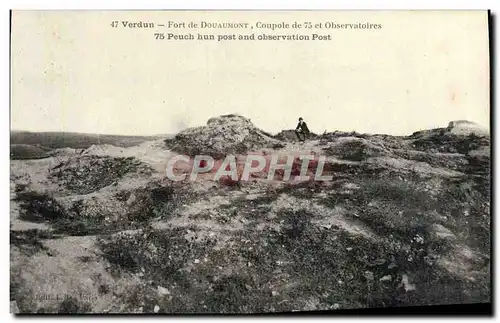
(466, 253)
(348, 248)
(419, 239)
(14, 309)
(336, 306)
(351, 186)
(196, 261)
(156, 309)
(386, 278)
(442, 232)
(377, 262)
(274, 293)
(406, 283)
(163, 291)
(430, 260)
(368, 275)
(252, 197)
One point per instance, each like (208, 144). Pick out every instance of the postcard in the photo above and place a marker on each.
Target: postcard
(249, 162)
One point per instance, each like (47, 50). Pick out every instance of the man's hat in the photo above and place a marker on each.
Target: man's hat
(300, 118)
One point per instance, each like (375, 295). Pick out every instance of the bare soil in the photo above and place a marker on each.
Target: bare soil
(405, 221)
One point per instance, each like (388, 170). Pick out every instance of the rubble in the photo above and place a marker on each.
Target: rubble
(291, 136)
(227, 134)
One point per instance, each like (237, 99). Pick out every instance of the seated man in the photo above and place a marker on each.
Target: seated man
(302, 129)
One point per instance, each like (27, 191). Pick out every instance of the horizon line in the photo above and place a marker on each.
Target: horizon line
(270, 132)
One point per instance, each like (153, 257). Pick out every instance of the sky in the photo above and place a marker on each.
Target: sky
(72, 71)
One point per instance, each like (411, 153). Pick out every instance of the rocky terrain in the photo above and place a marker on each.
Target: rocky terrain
(404, 222)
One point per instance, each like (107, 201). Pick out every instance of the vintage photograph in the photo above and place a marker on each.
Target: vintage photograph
(249, 162)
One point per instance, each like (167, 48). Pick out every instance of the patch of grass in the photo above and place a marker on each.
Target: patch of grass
(21, 294)
(295, 224)
(166, 256)
(227, 181)
(273, 271)
(395, 207)
(236, 294)
(124, 251)
(82, 226)
(71, 305)
(30, 241)
(91, 219)
(303, 190)
(355, 150)
(249, 209)
(20, 188)
(468, 211)
(453, 162)
(162, 252)
(396, 191)
(39, 207)
(86, 259)
(448, 143)
(321, 258)
(153, 201)
(103, 289)
(402, 213)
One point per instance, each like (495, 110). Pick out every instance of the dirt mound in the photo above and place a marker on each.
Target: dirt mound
(465, 128)
(445, 160)
(126, 209)
(332, 136)
(86, 174)
(356, 149)
(98, 213)
(227, 134)
(446, 142)
(289, 135)
(21, 151)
